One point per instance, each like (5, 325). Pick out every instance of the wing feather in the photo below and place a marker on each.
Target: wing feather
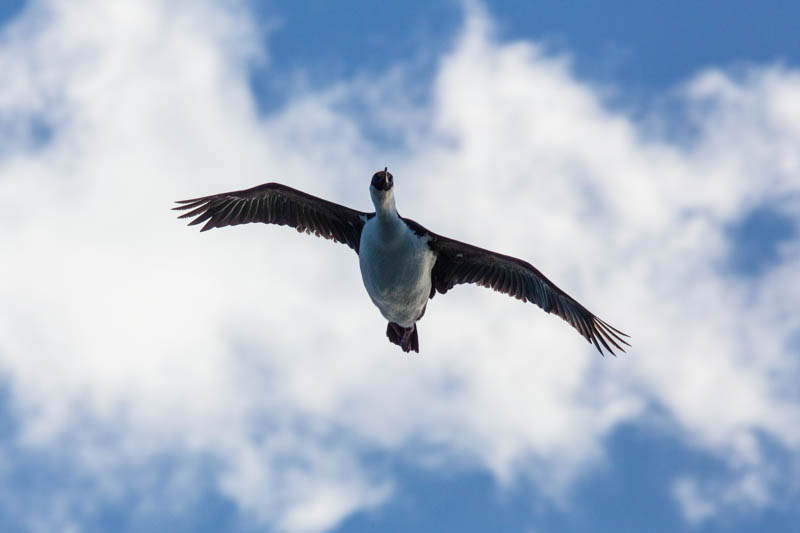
(458, 263)
(273, 203)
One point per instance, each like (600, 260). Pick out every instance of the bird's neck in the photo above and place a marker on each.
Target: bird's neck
(384, 204)
(385, 211)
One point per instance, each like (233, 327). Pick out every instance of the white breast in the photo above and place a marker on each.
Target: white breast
(396, 268)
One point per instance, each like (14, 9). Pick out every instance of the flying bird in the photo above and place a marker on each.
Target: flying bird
(403, 264)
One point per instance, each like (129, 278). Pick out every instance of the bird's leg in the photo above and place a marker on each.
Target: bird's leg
(406, 338)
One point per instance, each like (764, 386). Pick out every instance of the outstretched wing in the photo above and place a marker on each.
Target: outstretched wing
(458, 262)
(273, 203)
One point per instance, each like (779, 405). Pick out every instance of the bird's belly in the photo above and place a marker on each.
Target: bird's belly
(397, 278)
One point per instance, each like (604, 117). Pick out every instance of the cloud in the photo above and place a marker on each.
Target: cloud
(695, 508)
(126, 337)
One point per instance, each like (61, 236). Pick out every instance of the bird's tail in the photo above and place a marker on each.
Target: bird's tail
(396, 333)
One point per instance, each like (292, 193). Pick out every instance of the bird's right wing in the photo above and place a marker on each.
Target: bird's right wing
(273, 203)
(458, 262)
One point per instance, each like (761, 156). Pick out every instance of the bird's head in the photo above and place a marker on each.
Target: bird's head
(382, 180)
(382, 192)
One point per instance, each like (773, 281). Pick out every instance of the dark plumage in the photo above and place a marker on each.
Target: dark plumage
(455, 262)
(458, 262)
(273, 203)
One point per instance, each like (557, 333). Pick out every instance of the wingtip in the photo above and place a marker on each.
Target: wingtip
(185, 204)
(189, 201)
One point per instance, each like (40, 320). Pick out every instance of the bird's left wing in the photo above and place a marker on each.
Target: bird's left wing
(458, 262)
(273, 203)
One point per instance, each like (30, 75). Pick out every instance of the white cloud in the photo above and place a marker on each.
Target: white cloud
(131, 336)
(700, 500)
(695, 508)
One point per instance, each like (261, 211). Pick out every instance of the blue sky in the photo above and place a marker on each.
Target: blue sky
(642, 156)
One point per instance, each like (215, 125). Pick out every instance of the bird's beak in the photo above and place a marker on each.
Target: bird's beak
(386, 178)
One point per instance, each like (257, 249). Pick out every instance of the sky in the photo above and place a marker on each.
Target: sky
(156, 378)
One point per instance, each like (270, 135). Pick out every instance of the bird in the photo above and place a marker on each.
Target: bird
(403, 264)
